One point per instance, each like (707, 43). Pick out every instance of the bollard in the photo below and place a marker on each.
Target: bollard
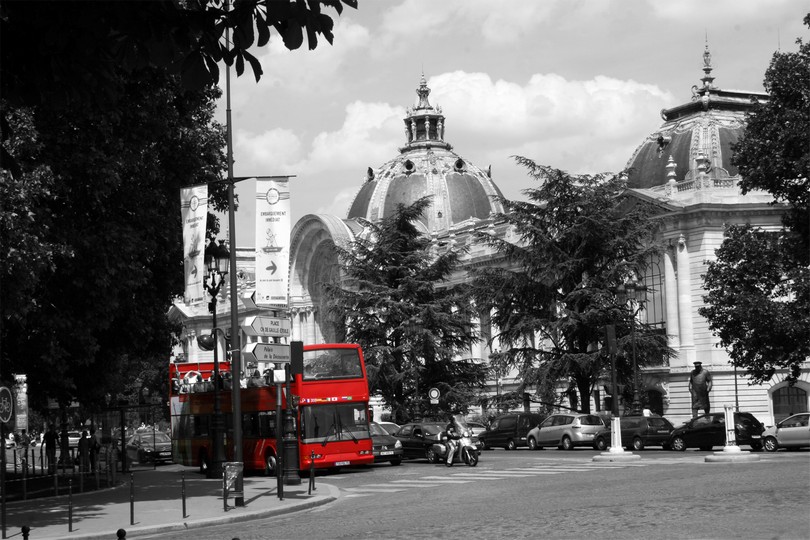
(24, 478)
(131, 498)
(311, 473)
(25, 529)
(81, 480)
(121, 533)
(70, 505)
(183, 491)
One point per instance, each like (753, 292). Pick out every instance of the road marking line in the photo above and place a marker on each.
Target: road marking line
(372, 490)
(433, 480)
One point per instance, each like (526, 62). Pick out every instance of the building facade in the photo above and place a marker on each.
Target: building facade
(683, 168)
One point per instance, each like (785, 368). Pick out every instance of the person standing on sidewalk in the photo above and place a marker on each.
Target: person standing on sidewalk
(84, 452)
(50, 447)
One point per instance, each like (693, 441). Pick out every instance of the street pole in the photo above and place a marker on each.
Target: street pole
(236, 364)
(214, 260)
(636, 406)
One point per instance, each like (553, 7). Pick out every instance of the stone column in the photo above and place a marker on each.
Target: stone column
(687, 348)
(671, 294)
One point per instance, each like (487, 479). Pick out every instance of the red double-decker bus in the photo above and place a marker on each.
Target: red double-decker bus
(331, 420)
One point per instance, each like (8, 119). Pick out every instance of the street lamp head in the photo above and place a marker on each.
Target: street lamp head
(222, 257)
(217, 257)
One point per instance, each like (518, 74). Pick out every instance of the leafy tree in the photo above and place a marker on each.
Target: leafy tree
(106, 110)
(396, 303)
(574, 241)
(99, 305)
(758, 300)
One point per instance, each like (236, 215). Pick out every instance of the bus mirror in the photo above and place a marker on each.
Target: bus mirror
(206, 342)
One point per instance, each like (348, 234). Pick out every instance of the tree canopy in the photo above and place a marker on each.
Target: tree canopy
(575, 240)
(758, 300)
(106, 110)
(396, 302)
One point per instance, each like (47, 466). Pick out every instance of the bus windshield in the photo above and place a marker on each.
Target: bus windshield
(338, 422)
(332, 364)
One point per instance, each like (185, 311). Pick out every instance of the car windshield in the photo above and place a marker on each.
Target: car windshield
(158, 437)
(390, 428)
(376, 429)
(433, 429)
(591, 420)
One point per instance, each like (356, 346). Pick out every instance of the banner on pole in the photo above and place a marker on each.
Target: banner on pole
(194, 210)
(272, 241)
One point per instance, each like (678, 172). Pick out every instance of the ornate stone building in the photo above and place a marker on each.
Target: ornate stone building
(684, 168)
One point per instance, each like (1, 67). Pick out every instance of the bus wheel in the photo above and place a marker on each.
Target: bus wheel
(203, 462)
(270, 464)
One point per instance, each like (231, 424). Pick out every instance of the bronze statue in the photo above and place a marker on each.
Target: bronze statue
(700, 383)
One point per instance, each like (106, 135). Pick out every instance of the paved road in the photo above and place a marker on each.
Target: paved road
(554, 494)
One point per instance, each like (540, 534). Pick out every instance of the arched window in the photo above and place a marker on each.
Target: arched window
(788, 400)
(655, 401)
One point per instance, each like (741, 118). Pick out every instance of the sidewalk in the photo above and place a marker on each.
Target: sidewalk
(158, 506)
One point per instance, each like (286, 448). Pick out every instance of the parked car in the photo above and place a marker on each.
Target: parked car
(792, 432)
(417, 439)
(565, 431)
(509, 430)
(638, 432)
(476, 427)
(709, 430)
(385, 446)
(389, 427)
(149, 447)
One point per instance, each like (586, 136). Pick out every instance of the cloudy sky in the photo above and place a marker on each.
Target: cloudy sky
(575, 84)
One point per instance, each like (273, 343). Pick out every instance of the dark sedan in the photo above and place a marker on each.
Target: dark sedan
(150, 447)
(385, 447)
(417, 439)
(638, 432)
(709, 430)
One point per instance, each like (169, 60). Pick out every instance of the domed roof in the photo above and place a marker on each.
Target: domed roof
(695, 135)
(425, 166)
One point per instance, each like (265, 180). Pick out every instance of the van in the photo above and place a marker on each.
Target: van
(509, 430)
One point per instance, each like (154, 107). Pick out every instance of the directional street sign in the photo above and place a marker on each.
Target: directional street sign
(249, 299)
(276, 353)
(267, 326)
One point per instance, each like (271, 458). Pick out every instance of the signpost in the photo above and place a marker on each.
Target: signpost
(267, 326)
(263, 353)
(6, 410)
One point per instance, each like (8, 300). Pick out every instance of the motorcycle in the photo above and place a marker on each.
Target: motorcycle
(465, 450)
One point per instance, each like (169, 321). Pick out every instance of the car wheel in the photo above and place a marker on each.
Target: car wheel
(532, 443)
(756, 446)
(396, 461)
(510, 444)
(431, 456)
(484, 445)
(638, 444)
(203, 462)
(678, 444)
(600, 444)
(566, 443)
(270, 464)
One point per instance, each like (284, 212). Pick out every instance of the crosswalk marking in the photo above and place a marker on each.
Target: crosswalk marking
(543, 466)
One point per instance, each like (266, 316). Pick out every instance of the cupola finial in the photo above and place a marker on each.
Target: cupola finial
(707, 66)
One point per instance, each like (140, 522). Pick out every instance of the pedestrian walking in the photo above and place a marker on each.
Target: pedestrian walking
(84, 452)
(50, 439)
(95, 448)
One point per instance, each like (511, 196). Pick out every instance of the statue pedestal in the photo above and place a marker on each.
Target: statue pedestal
(731, 453)
(617, 454)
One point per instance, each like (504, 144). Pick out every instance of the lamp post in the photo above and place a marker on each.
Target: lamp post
(217, 259)
(632, 292)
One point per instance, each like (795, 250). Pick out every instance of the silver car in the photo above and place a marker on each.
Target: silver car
(565, 431)
(792, 432)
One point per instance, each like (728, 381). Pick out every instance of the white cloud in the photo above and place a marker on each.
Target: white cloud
(369, 136)
(303, 70)
(275, 150)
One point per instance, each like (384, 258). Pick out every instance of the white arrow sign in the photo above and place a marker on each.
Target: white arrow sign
(249, 299)
(267, 326)
(275, 353)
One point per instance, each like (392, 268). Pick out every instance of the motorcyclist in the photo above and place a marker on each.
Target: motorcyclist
(452, 435)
